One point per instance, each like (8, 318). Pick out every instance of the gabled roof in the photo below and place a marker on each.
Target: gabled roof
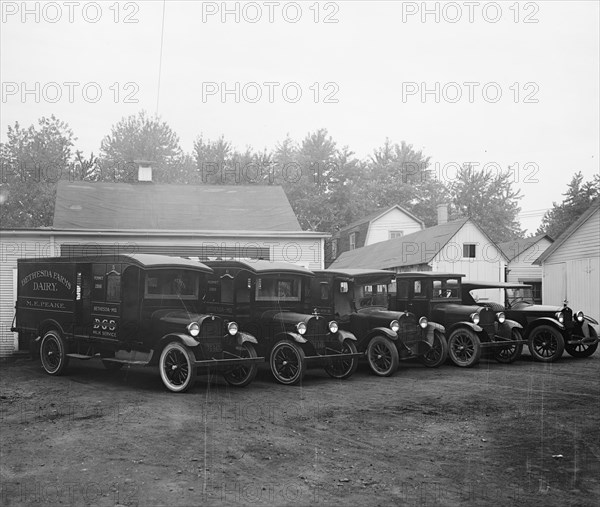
(516, 247)
(595, 207)
(376, 214)
(413, 249)
(150, 206)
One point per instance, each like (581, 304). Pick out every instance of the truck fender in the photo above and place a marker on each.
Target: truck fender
(297, 337)
(171, 337)
(245, 337)
(470, 325)
(432, 327)
(509, 325)
(47, 325)
(385, 331)
(550, 321)
(345, 335)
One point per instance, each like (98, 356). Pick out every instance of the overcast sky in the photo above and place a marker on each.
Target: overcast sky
(489, 83)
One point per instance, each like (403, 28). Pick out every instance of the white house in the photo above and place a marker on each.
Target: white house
(571, 266)
(200, 222)
(381, 225)
(521, 254)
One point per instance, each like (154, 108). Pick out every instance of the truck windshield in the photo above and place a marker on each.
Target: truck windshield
(521, 295)
(278, 289)
(171, 283)
(370, 295)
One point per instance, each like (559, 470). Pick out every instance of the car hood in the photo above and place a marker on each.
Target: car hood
(380, 313)
(179, 316)
(540, 308)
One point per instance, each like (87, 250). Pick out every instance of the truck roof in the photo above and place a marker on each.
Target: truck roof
(145, 261)
(376, 275)
(262, 267)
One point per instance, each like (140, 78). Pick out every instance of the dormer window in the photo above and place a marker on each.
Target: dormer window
(352, 241)
(395, 234)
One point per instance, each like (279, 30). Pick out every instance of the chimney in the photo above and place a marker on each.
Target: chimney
(144, 170)
(442, 214)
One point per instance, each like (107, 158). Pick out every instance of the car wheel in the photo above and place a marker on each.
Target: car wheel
(581, 349)
(242, 375)
(464, 348)
(177, 368)
(53, 353)
(438, 353)
(511, 353)
(546, 344)
(382, 355)
(344, 367)
(287, 363)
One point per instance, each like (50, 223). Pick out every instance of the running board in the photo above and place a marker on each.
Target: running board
(124, 361)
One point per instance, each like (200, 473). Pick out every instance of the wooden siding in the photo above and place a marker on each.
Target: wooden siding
(393, 220)
(576, 281)
(583, 243)
(522, 269)
(488, 264)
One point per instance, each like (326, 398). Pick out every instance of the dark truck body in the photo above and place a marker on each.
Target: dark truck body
(125, 305)
(358, 300)
(548, 330)
(270, 300)
(469, 328)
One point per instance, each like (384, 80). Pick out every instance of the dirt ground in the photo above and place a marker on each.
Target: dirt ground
(520, 434)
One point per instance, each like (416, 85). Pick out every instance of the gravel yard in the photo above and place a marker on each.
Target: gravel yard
(526, 433)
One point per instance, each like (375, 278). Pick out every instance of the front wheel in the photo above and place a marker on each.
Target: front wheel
(242, 375)
(512, 352)
(438, 353)
(581, 349)
(287, 363)
(546, 344)
(464, 348)
(382, 355)
(177, 368)
(344, 367)
(53, 353)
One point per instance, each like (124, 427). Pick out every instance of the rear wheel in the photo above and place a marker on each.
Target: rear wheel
(464, 348)
(512, 352)
(53, 353)
(382, 355)
(177, 368)
(344, 367)
(581, 349)
(242, 375)
(438, 353)
(287, 363)
(546, 344)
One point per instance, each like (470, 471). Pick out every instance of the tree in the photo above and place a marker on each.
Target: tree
(33, 161)
(489, 199)
(140, 137)
(578, 198)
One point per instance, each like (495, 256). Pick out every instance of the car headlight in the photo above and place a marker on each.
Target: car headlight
(395, 326)
(194, 329)
(580, 316)
(560, 316)
(501, 317)
(333, 326)
(232, 328)
(301, 327)
(423, 322)
(475, 318)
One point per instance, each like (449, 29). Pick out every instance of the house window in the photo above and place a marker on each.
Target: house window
(334, 248)
(352, 241)
(395, 234)
(469, 250)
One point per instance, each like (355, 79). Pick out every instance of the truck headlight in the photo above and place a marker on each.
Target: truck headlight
(423, 322)
(232, 328)
(580, 316)
(560, 316)
(301, 327)
(395, 326)
(194, 329)
(501, 317)
(475, 318)
(333, 326)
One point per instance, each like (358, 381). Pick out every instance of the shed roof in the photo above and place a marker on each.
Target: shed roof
(516, 247)
(413, 249)
(595, 207)
(149, 206)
